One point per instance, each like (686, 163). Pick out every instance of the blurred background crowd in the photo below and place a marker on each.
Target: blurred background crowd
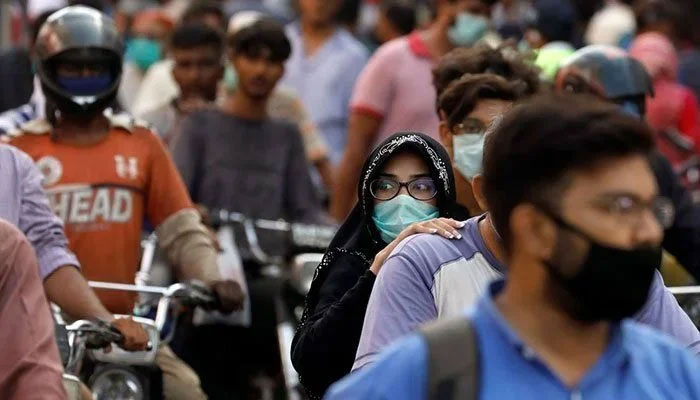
(338, 38)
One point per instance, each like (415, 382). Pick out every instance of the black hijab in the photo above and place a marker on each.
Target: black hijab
(358, 241)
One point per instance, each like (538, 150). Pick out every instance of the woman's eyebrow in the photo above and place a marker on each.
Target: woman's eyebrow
(421, 175)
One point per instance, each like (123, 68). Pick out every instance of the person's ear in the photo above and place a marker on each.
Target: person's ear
(532, 232)
(446, 138)
(478, 190)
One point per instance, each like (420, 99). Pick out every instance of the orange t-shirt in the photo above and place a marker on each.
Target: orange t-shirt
(103, 193)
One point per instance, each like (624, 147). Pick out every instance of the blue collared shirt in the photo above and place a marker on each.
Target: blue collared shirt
(324, 82)
(637, 364)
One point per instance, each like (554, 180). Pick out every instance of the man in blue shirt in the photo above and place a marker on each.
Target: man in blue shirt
(570, 190)
(325, 62)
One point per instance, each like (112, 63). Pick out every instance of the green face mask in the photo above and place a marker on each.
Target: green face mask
(393, 216)
(143, 52)
(230, 78)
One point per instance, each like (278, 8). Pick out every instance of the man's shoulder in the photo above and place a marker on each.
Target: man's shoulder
(11, 237)
(399, 373)
(351, 46)
(12, 154)
(655, 350)
(436, 250)
(398, 47)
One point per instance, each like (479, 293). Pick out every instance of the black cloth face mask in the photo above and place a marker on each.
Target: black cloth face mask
(611, 284)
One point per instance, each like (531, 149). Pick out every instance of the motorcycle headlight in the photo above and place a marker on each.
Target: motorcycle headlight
(117, 384)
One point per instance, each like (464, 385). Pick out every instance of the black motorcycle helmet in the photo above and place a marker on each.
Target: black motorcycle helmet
(82, 38)
(607, 72)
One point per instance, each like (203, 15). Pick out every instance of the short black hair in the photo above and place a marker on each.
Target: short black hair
(461, 96)
(401, 14)
(533, 150)
(481, 59)
(649, 12)
(189, 36)
(202, 8)
(348, 12)
(264, 34)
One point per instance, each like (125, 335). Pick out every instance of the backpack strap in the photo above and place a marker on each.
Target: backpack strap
(453, 360)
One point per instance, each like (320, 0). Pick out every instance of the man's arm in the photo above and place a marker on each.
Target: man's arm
(361, 135)
(187, 148)
(300, 199)
(30, 367)
(181, 234)
(401, 300)
(371, 99)
(663, 312)
(67, 287)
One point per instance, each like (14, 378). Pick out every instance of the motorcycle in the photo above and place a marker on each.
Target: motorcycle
(293, 254)
(118, 374)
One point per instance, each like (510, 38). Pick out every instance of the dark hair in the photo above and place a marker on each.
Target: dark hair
(189, 36)
(556, 20)
(264, 34)
(348, 12)
(401, 14)
(202, 8)
(530, 154)
(649, 12)
(481, 59)
(461, 96)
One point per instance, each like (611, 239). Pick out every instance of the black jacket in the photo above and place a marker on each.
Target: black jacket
(326, 342)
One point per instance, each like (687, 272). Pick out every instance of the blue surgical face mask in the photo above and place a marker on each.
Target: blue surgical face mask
(467, 29)
(468, 153)
(143, 52)
(393, 216)
(230, 78)
(85, 85)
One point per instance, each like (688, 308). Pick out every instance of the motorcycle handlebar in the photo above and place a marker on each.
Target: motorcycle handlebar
(192, 294)
(98, 334)
(301, 235)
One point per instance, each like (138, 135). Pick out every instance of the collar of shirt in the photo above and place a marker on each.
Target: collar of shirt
(123, 121)
(475, 232)
(418, 45)
(493, 327)
(332, 44)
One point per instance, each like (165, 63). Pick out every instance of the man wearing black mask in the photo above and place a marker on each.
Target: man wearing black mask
(610, 74)
(571, 192)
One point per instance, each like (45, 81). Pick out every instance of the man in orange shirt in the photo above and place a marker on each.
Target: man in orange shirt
(105, 174)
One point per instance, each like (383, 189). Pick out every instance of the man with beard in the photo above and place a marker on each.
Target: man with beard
(236, 157)
(570, 190)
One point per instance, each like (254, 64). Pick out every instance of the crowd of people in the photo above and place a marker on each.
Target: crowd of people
(507, 177)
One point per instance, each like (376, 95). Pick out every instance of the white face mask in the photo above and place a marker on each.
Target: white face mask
(468, 153)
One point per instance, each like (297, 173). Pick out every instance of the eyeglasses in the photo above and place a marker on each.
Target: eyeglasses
(420, 188)
(631, 211)
(470, 126)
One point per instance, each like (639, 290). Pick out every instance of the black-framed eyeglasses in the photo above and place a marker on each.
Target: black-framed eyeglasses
(422, 188)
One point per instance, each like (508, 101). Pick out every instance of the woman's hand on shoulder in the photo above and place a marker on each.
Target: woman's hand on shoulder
(445, 227)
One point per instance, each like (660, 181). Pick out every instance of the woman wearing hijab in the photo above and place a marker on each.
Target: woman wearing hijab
(674, 109)
(407, 187)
